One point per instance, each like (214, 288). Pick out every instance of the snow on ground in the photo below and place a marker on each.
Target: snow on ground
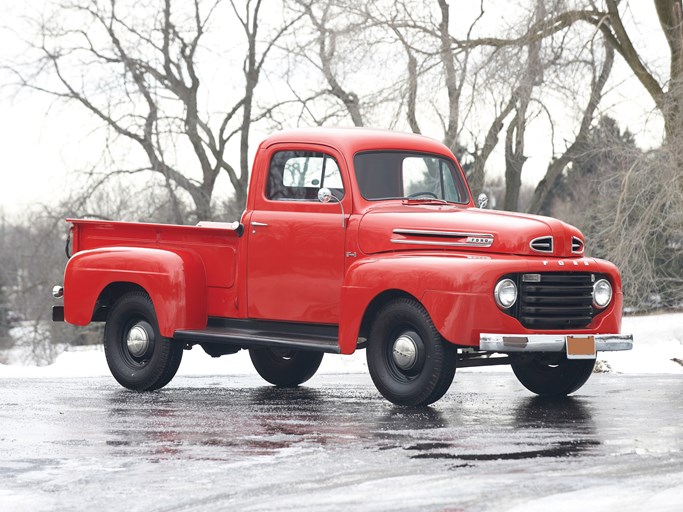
(657, 343)
(658, 348)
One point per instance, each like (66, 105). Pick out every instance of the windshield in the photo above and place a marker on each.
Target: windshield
(408, 175)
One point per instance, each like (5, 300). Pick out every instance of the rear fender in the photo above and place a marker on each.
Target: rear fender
(175, 281)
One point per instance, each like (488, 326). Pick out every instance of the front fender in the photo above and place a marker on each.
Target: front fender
(413, 275)
(457, 292)
(175, 281)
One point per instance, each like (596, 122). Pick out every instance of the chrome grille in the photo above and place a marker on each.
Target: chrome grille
(559, 300)
(543, 244)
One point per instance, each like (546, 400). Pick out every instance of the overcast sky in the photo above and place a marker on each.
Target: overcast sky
(42, 144)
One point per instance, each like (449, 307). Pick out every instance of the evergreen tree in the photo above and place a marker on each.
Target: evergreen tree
(607, 154)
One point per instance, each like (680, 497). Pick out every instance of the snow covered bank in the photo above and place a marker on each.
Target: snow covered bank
(657, 345)
(658, 348)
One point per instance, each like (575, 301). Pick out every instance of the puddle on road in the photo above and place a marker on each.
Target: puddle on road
(526, 429)
(561, 449)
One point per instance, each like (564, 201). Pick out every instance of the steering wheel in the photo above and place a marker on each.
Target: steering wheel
(423, 193)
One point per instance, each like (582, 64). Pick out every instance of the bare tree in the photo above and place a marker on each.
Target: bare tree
(513, 70)
(644, 231)
(439, 77)
(345, 49)
(138, 71)
(575, 149)
(645, 235)
(667, 93)
(326, 50)
(32, 263)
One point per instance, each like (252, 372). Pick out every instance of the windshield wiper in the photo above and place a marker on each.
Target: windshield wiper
(424, 200)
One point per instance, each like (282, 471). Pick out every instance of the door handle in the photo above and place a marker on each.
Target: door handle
(255, 225)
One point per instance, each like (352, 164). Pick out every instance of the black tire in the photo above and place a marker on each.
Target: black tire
(553, 376)
(425, 377)
(156, 362)
(283, 367)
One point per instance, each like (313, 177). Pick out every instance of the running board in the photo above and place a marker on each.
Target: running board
(258, 334)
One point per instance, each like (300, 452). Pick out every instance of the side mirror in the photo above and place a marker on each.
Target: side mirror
(482, 200)
(325, 196)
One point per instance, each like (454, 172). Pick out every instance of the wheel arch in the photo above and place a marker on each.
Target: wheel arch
(110, 295)
(378, 303)
(359, 308)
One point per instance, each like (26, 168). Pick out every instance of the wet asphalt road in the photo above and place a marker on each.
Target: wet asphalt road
(231, 443)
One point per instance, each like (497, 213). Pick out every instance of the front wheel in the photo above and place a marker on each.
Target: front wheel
(409, 362)
(284, 367)
(138, 356)
(553, 376)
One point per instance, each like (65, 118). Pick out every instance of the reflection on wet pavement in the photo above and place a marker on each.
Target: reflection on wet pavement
(327, 441)
(220, 424)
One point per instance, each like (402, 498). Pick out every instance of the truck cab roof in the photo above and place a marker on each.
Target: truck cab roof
(351, 140)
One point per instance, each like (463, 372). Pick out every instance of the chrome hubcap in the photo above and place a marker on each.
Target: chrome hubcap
(137, 340)
(405, 352)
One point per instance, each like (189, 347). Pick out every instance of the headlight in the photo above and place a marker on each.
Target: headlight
(505, 293)
(602, 293)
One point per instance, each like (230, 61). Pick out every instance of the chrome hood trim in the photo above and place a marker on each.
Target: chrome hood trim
(468, 239)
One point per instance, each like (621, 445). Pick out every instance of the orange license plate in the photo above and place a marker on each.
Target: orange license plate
(580, 347)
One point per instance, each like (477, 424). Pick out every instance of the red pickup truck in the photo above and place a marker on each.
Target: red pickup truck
(351, 239)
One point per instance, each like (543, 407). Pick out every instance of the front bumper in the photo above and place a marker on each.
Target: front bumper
(550, 342)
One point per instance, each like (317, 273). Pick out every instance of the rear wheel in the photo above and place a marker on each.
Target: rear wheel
(553, 375)
(409, 362)
(138, 356)
(283, 367)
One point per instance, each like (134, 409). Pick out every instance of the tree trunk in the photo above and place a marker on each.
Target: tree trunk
(477, 179)
(514, 161)
(450, 138)
(514, 140)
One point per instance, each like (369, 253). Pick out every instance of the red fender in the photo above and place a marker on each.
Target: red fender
(457, 292)
(175, 281)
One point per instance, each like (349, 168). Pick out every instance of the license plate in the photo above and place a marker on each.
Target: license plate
(580, 347)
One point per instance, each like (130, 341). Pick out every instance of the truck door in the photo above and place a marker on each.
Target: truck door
(296, 243)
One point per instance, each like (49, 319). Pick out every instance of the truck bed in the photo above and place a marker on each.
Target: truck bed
(217, 244)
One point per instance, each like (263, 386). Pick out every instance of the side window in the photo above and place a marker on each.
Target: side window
(298, 175)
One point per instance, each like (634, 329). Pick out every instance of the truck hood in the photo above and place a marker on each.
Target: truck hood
(447, 227)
